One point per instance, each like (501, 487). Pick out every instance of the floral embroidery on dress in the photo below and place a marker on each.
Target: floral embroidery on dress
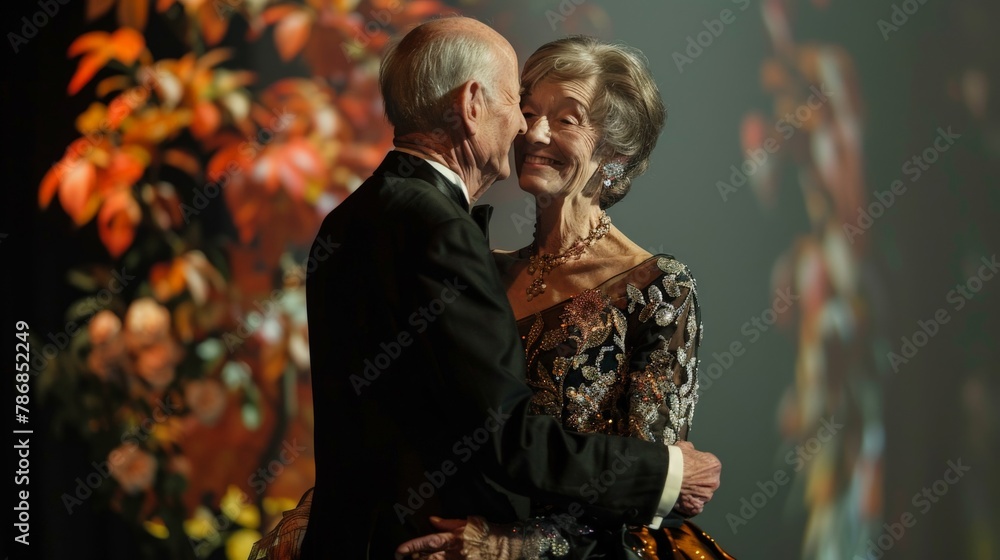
(621, 358)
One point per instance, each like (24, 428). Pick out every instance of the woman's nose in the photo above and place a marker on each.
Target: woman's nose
(538, 131)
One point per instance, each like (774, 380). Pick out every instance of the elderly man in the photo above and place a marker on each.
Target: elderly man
(417, 368)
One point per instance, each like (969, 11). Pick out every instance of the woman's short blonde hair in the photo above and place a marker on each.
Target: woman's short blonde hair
(627, 107)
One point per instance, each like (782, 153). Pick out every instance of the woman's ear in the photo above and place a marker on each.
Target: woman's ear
(612, 169)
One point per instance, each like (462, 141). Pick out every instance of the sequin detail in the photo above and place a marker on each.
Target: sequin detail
(544, 536)
(621, 358)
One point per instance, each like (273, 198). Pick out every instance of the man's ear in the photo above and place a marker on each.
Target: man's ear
(471, 105)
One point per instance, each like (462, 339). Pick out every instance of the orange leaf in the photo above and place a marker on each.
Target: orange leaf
(127, 44)
(303, 155)
(224, 160)
(50, 183)
(91, 41)
(112, 83)
(266, 171)
(89, 65)
(185, 161)
(213, 58)
(245, 216)
(163, 5)
(77, 188)
(168, 279)
(184, 321)
(97, 8)
(117, 220)
(94, 119)
(213, 26)
(89, 210)
(422, 9)
(123, 105)
(277, 13)
(344, 6)
(291, 34)
(206, 119)
(752, 131)
(124, 170)
(133, 13)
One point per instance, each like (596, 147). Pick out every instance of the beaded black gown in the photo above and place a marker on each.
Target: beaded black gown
(622, 359)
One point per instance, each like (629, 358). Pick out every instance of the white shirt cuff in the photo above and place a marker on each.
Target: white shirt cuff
(672, 487)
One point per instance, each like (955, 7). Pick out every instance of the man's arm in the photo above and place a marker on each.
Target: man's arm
(481, 363)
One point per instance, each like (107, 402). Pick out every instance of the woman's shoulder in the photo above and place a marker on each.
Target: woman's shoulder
(659, 292)
(670, 265)
(658, 269)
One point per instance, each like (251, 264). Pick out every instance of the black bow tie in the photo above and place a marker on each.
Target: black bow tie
(482, 213)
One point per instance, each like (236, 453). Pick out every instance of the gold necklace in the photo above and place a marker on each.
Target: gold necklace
(543, 264)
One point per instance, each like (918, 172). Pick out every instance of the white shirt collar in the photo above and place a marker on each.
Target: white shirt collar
(448, 173)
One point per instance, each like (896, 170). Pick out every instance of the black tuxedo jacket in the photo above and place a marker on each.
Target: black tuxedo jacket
(418, 381)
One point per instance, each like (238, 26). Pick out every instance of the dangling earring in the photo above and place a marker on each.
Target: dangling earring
(611, 172)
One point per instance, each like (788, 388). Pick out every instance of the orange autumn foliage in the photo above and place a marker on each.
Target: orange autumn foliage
(98, 48)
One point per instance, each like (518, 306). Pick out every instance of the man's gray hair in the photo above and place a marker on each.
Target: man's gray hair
(420, 72)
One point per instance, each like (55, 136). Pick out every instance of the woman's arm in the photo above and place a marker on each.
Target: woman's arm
(663, 355)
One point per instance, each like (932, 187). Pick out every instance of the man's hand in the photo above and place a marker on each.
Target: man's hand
(702, 472)
(436, 546)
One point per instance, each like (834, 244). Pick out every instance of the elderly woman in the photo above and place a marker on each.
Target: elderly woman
(611, 332)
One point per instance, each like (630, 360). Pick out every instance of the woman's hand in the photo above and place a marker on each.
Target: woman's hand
(445, 545)
(464, 539)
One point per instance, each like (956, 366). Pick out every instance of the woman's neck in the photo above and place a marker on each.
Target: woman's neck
(563, 222)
